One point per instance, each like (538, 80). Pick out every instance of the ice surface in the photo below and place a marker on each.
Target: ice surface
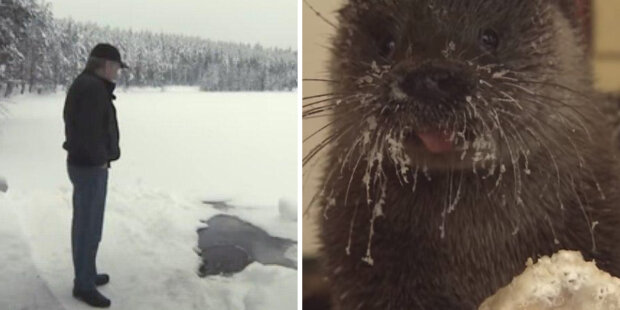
(178, 147)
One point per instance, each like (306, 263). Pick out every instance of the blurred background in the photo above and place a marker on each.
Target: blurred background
(606, 45)
(601, 20)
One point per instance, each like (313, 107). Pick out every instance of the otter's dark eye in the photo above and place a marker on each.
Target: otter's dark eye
(387, 48)
(489, 39)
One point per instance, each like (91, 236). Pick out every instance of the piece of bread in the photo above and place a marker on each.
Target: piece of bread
(561, 282)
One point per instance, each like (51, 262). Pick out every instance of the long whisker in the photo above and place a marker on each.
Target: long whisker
(320, 80)
(317, 149)
(317, 102)
(317, 116)
(564, 87)
(320, 15)
(319, 130)
(317, 110)
(321, 95)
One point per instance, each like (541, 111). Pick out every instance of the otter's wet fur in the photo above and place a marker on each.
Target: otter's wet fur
(411, 222)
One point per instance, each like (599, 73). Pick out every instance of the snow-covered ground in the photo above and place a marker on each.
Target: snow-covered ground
(179, 147)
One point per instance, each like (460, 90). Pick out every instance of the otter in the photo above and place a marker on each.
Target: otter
(464, 138)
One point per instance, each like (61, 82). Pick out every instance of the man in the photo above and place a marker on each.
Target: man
(92, 138)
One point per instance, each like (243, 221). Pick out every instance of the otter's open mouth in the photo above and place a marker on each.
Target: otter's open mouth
(440, 141)
(436, 142)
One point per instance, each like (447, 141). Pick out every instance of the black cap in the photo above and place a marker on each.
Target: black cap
(108, 52)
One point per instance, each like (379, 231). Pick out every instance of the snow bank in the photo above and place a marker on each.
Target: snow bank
(561, 282)
(26, 287)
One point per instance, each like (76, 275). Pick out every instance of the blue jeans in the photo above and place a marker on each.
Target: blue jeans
(89, 193)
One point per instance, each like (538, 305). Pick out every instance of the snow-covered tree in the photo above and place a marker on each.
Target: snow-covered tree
(38, 52)
(14, 16)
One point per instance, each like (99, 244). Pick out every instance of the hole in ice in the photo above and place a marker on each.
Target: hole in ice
(229, 244)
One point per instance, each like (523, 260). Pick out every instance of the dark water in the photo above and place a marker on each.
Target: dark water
(229, 244)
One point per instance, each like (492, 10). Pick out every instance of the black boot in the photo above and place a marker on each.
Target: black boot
(92, 297)
(102, 279)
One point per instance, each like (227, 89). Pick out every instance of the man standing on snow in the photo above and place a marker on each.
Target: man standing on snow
(92, 137)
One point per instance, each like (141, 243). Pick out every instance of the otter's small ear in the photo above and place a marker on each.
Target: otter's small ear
(568, 7)
(576, 11)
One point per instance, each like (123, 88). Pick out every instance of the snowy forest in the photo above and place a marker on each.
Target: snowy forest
(39, 52)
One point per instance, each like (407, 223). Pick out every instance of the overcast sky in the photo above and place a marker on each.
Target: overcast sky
(268, 22)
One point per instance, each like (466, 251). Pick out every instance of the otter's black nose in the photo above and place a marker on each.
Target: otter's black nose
(434, 82)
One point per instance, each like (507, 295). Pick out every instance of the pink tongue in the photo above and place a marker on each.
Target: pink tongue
(436, 142)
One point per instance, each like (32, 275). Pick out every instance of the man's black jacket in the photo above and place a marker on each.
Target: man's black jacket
(91, 128)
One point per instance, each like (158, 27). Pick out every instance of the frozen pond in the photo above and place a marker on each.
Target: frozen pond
(241, 146)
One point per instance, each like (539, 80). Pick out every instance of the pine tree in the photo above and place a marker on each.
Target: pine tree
(39, 52)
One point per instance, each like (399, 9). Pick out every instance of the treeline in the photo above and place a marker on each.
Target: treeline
(38, 52)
